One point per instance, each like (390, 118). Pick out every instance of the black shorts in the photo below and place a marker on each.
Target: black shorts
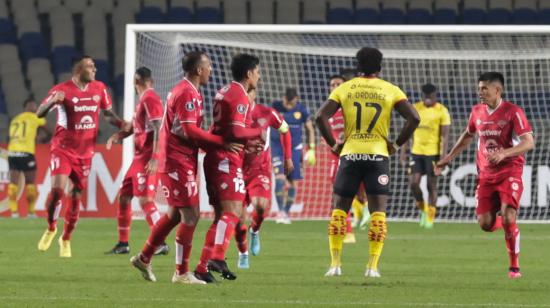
(423, 164)
(20, 161)
(354, 169)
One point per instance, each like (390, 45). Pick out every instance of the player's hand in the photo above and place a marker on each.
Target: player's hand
(289, 166)
(58, 97)
(496, 157)
(233, 147)
(391, 149)
(115, 138)
(152, 166)
(254, 146)
(126, 126)
(441, 165)
(337, 147)
(310, 157)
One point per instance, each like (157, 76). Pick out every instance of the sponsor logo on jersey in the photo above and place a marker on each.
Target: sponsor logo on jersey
(96, 98)
(502, 123)
(87, 122)
(297, 115)
(85, 108)
(515, 186)
(174, 175)
(261, 121)
(490, 132)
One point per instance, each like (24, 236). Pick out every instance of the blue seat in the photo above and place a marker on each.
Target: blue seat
(32, 45)
(498, 17)
(62, 57)
(150, 15)
(340, 16)
(366, 16)
(102, 73)
(419, 17)
(7, 32)
(392, 17)
(524, 17)
(3, 105)
(544, 17)
(474, 16)
(444, 17)
(179, 15)
(208, 15)
(119, 86)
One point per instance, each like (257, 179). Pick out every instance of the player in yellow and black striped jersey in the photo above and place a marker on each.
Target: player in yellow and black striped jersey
(367, 102)
(21, 148)
(429, 142)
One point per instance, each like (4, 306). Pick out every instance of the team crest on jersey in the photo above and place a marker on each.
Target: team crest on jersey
(96, 98)
(515, 186)
(297, 115)
(224, 186)
(189, 106)
(261, 121)
(478, 122)
(383, 179)
(75, 100)
(502, 123)
(241, 109)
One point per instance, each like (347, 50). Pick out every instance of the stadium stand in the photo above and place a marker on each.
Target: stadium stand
(420, 12)
(367, 12)
(500, 12)
(393, 12)
(261, 12)
(525, 12)
(287, 12)
(314, 12)
(340, 12)
(446, 12)
(475, 12)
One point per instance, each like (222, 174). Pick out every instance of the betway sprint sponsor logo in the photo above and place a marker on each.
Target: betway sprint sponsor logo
(85, 123)
(85, 108)
(489, 132)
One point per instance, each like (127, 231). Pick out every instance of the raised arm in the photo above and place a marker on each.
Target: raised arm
(115, 120)
(444, 138)
(463, 141)
(53, 99)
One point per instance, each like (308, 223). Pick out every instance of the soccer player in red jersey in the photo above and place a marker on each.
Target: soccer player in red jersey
(504, 137)
(78, 102)
(181, 137)
(141, 178)
(224, 169)
(257, 177)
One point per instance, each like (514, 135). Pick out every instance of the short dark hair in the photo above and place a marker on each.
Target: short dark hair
(28, 101)
(192, 60)
(491, 76)
(144, 73)
(428, 89)
(348, 73)
(75, 60)
(369, 60)
(291, 93)
(337, 76)
(241, 64)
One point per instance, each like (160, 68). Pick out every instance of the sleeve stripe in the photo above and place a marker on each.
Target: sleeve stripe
(188, 121)
(526, 133)
(238, 124)
(520, 121)
(276, 116)
(107, 98)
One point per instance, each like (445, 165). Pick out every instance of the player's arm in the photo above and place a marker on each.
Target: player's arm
(327, 110)
(463, 141)
(412, 119)
(116, 121)
(403, 153)
(526, 144)
(49, 102)
(444, 138)
(152, 165)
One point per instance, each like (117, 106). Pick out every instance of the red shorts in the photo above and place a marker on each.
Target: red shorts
(179, 185)
(77, 169)
(492, 193)
(258, 184)
(137, 182)
(224, 178)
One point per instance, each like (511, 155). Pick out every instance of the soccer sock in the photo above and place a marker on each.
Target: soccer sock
(377, 233)
(290, 198)
(12, 197)
(357, 207)
(124, 219)
(511, 236)
(53, 206)
(349, 228)
(71, 218)
(158, 234)
(431, 210)
(336, 233)
(498, 223)
(32, 194)
(240, 237)
(257, 221)
(280, 194)
(184, 240)
(421, 206)
(207, 249)
(152, 215)
(224, 233)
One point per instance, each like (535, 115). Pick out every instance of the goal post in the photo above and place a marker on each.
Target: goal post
(304, 56)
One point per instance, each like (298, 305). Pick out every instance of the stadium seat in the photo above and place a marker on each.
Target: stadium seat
(179, 15)
(314, 12)
(208, 12)
(45, 6)
(7, 32)
(475, 12)
(9, 58)
(340, 12)
(420, 12)
(287, 12)
(119, 86)
(15, 92)
(106, 6)
(525, 12)
(32, 45)
(446, 12)
(103, 71)
(25, 25)
(235, 12)
(161, 4)
(4, 13)
(367, 12)
(4, 120)
(544, 12)
(393, 12)
(499, 12)
(131, 6)
(62, 27)
(62, 57)
(76, 6)
(150, 15)
(23, 7)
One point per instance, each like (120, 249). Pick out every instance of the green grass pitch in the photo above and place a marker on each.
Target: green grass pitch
(453, 265)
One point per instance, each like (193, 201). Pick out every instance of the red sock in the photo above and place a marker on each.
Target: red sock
(240, 237)
(498, 223)
(224, 233)
(349, 229)
(207, 249)
(53, 206)
(184, 239)
(158, 234)
(257, 221)
(511, 236)
(124, 221)
(71, 218)
(152, 215)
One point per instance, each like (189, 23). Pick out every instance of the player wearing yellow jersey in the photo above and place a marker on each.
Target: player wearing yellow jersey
(429, 142)
(22, 131)
(367, 103)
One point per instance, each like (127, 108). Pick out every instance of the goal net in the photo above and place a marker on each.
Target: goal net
(305, 56)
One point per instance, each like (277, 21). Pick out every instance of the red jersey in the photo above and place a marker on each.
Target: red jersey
(78, 117)
(148, 109)
(498, 129)
(336, 123)
(184, 105)
(263, 117)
